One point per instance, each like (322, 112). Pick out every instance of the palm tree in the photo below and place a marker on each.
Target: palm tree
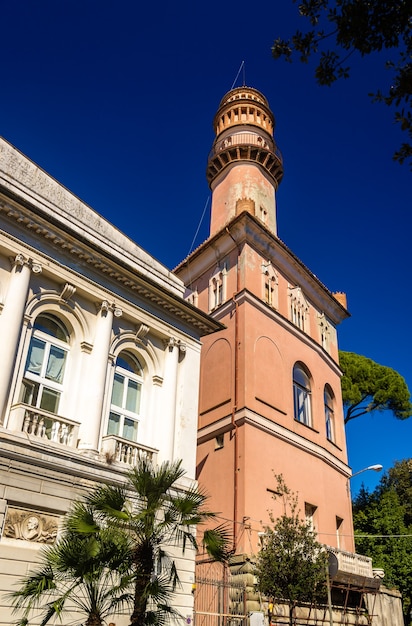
(156, 514)
(87, 570)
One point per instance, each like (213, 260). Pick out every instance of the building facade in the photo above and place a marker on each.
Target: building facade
(101, 359)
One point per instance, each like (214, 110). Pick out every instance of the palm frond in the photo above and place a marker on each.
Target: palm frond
(218, 542)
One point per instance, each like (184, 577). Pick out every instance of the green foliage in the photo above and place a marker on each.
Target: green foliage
(343, 29)
(113, 553)
(399, 478)
(368, 386)
(89, 568)
(291, 565)
(156, 514)
(383, 529)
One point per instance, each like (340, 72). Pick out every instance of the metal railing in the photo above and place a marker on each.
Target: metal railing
(245, 139)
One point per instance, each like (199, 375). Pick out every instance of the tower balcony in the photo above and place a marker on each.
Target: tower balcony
(247, 147)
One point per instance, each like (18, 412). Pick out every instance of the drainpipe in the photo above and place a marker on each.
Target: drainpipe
(235, 398)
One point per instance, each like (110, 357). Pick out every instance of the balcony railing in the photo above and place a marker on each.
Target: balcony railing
(353, 563)
(44, 425)
(124, 451)
(249, 139)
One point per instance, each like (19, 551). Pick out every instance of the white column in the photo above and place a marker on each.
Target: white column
(168, 408)
(11, 319)
(95, 378)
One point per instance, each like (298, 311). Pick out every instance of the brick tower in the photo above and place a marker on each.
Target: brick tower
(270, 398)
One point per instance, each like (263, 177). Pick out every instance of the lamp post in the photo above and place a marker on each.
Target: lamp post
(376, 468)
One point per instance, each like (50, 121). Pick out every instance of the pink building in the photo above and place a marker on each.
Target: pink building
(270, 397)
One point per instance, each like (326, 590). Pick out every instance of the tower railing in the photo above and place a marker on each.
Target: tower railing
(245, 139)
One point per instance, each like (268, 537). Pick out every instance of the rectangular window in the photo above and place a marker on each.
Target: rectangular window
(114, 424)
(56, 364)
(117, 393)
(310, 511)
(130, 429)
(50, 400)
(339, 524)
(133, 396)
(36, 356)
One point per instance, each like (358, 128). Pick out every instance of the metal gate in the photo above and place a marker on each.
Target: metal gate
(219, 601)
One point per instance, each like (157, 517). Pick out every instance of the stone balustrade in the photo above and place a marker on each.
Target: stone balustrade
(44, 425)
(351, 563)
(124, 451)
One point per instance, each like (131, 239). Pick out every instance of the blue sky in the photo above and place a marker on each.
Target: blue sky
(116, 101)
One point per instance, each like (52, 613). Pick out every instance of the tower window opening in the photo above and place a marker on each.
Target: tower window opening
(324, 332)
(329, 413)
(270, 285)
(219, 442)
(217, 289)
(339, 524)
(193, 297)
(310, 515)
(301, 395)
(299, 308)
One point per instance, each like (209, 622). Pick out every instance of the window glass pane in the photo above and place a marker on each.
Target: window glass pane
(300, 377)
(29, 392)
(133, 396)
(328, 399)
(50, 400)
(130, 429)
(48, 324)
(329, 432)
(35, 356)
(114, 424)
(117, 393)
(129, 363)
(301, 405)
(56, 364)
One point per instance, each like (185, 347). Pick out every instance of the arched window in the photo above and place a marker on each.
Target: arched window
(46, 364)
(329, 417)
(217, 288)
(301, 395)
(126, 397)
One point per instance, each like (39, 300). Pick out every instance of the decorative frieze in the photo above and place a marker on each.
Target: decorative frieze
(31, 526)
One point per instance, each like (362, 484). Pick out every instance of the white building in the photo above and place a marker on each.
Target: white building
(100, 362)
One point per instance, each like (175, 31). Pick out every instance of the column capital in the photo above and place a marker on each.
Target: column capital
(172, 342)
(105, 307)
(20, 261)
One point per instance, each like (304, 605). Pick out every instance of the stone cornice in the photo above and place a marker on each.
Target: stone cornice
(33, 187)
(247, 229)
(112, 268)
(246, 416)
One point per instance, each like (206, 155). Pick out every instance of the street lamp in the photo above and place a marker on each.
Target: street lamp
(376, 468)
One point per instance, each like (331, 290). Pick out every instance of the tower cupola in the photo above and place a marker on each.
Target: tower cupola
(244, 166)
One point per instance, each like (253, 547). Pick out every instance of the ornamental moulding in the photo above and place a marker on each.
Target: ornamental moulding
(101, 265)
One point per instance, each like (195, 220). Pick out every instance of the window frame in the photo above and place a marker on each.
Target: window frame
(329, 413)
(217, 288)
(302, 410)
(36, 385)
(122, 412)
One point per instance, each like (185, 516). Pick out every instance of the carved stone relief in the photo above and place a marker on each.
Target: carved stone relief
(30, 526)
